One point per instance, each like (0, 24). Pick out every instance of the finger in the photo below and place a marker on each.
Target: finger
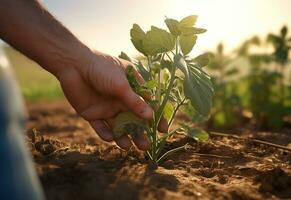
(110, 122)
(102, 130)
(102, 110)
(136, 104)
(142, 142)
(124, 142)
(163, 125)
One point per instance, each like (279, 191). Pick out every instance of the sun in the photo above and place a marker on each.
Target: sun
(220, 18)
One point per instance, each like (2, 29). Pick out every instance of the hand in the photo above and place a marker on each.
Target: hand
(100, 90)
(95, 84)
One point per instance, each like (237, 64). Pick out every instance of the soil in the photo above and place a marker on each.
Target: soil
(73, 163)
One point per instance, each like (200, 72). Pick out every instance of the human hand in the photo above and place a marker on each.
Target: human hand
(100, 90)
(95, 84)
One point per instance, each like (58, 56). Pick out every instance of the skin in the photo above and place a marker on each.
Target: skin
(94, 83)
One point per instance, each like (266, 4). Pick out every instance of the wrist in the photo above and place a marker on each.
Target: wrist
(72, 57)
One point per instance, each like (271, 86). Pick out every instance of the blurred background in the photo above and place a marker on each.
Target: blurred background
(248, 41)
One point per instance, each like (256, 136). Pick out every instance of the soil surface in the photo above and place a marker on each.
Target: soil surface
(73, 163)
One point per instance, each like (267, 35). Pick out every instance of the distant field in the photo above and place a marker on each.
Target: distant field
(35, 83)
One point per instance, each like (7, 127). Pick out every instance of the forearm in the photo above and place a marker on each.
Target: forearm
(29, 28)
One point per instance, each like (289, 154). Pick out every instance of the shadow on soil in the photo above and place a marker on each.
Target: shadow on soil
(75, 175)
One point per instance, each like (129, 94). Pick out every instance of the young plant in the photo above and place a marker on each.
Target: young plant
(226, 99)
(282, 45)
(172, 78)
(264, 93)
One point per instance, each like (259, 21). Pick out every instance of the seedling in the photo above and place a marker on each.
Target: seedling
(266, 89)
(226, 99)
(172, 79)
(282, 46)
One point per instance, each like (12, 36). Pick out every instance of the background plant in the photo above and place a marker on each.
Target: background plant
(258, 89)
(265, 95)
(281, 44)
(226, 98)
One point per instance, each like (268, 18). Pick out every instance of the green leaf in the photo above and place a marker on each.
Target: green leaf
(202, 60)
(150, 84)
(155, 67)
(128, 123)
(124, 56)
(137, 37)
(173, 26)
(142, 70)
(166, 77)
(197, 134)
(284, 31)
(168, 111)
(132, 80)
(185, 26)
(158, 41)
(231, 72)
(192, 30)
(187, 42)
(188, 21)
(136, 86)
(273, 39)
(197, 86)
(198, 30)
(181, 64)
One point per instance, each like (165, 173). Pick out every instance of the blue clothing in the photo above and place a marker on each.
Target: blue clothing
(18, 179)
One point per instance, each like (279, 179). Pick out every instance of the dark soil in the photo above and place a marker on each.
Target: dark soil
(73, 163)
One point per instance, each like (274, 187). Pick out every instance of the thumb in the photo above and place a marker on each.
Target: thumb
(136, 104)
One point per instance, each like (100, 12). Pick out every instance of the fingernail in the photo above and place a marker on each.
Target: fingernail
(108, 137)
(142, 142)
(144, 145)
(124, 143)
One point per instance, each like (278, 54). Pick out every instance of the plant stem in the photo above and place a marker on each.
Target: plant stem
(168, 153)
(281, 84)
(159, 113)
(170, 134)
(175, 111)
(177, 46)
(162, 141)
(167, 95)
(152, 134)
(150, 66)
(159, 88)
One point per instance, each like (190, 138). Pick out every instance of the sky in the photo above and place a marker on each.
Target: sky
(105, 25)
